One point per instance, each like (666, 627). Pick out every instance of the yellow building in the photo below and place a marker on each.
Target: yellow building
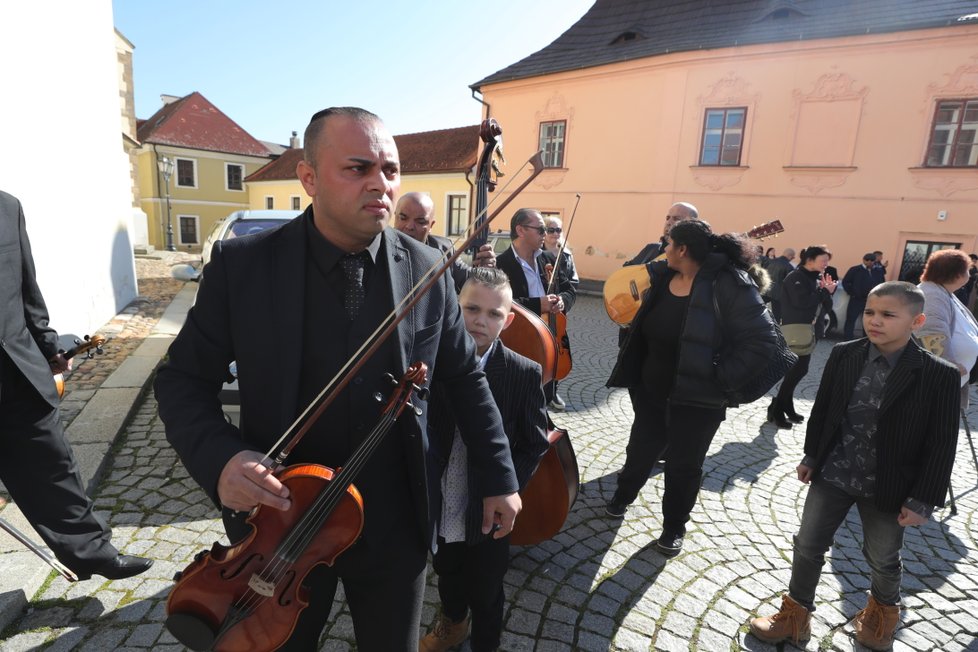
(853, 123)
(207, 156)
(437, 163)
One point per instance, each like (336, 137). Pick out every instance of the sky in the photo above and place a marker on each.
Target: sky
(270, 65)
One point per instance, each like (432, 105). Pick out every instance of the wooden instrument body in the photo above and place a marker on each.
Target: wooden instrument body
(211, 587)
(550, 493)
(529, 336)
(623, 293)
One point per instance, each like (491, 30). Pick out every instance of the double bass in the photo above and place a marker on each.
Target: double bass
(552, 490)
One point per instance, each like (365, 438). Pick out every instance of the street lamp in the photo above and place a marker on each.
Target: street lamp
(166, 169)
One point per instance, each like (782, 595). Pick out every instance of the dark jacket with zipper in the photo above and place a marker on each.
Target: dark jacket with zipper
(801, 297)
(712, 356)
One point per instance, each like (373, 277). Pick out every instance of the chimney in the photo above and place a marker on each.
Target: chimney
(294, 141)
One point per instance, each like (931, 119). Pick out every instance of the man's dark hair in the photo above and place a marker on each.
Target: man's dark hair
(520, 217)
(318, 121)
(907, 293)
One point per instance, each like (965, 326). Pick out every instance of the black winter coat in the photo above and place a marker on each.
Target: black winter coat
(712, 357)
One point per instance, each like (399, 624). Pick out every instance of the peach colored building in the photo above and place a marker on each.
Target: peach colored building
(853, 123)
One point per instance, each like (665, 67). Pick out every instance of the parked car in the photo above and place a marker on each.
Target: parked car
(237, 224)
(500, 241)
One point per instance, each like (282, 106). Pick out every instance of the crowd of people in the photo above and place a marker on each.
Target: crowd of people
(445, 480)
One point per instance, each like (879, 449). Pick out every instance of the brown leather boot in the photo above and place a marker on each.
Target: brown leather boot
(444, 635)
(876, 623)
(793, 621)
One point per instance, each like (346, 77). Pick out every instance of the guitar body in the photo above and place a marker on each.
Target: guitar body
(623, 293)
(624, 288)
(550, 493)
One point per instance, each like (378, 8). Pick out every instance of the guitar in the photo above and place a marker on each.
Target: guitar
(624, 288)
(90, 346)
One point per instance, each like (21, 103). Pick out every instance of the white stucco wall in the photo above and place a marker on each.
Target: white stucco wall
(61, 154)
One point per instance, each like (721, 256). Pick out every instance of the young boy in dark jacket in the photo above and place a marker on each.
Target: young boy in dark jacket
(882, 435)
(471, 562)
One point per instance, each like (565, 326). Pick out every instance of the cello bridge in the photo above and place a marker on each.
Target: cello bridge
(260, 586)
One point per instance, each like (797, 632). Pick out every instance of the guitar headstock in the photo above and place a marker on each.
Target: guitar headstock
(766, 230)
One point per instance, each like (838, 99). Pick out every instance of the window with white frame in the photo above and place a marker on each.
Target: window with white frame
(723, 136)
(269, 202)
(186, 173)
(189, 229)
(552, 143)
(234, 176)
(458, 213)
(296, 203)
(954, 134)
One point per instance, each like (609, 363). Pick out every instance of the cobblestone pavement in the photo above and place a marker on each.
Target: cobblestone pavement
(599, 585)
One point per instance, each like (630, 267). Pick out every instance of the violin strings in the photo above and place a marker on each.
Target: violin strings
(312, 521)
(437, 268)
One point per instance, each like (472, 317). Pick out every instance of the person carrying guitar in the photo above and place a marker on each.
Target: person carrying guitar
(471, 565)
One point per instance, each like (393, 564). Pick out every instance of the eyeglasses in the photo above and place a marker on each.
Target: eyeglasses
(539, 229)
(554, 229)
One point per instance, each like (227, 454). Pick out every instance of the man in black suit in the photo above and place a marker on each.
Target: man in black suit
(525, 263)
(779, 268)
(415, 216)
(857, 282)
(37, 465)
(291, 306)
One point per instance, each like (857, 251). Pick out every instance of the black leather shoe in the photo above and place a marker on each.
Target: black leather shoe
(776, 416)
(793, 416)
(123, 566)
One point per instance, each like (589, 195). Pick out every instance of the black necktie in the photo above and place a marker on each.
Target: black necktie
(353, 293)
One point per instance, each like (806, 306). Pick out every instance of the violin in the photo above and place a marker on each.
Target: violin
(248, 596)
(557, 322)
(89, 347)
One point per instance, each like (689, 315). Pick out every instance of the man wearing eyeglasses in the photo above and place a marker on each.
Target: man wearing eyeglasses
(415, 216)
(525, 262)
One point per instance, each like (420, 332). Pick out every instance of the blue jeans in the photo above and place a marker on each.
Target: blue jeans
(825, 508)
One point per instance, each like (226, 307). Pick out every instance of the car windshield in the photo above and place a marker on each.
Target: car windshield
(247, 227)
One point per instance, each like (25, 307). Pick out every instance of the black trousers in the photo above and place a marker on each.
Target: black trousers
(686, 433)
(39, 470)
(786, 393)
(471, 577)
(384, 588)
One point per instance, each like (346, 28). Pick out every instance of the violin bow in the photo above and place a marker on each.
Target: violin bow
(315, 409)
(563, 245)
(38, 550)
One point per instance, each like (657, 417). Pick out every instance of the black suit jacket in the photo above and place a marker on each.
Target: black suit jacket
(458, 270)
(917, 421)
(517, 389)
(507, 262)
(25, 335)
(649, 253)
(249, 308)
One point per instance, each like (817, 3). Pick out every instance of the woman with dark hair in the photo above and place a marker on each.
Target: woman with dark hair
(803, 293)
(951, 330)
(701, 330)
(771, 253)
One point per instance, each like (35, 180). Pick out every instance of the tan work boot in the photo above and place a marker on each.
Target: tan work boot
(876, 623)
(793, 621)
(444, 635)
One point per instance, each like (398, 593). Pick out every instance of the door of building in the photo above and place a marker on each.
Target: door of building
(915, 255)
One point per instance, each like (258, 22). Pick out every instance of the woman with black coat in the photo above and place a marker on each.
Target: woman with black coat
(678, 360)
(804, 291)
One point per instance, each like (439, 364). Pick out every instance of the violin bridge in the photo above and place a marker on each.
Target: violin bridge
(260, 586)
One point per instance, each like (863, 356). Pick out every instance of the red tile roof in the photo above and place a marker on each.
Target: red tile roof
(195, 123)
(444, 150)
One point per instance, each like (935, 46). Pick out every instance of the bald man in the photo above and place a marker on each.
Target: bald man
(677, 213)
(415, 215)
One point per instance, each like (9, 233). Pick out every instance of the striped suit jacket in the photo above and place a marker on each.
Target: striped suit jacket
(917, 421)
(515, 383)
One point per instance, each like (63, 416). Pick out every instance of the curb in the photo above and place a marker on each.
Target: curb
(92, 434)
